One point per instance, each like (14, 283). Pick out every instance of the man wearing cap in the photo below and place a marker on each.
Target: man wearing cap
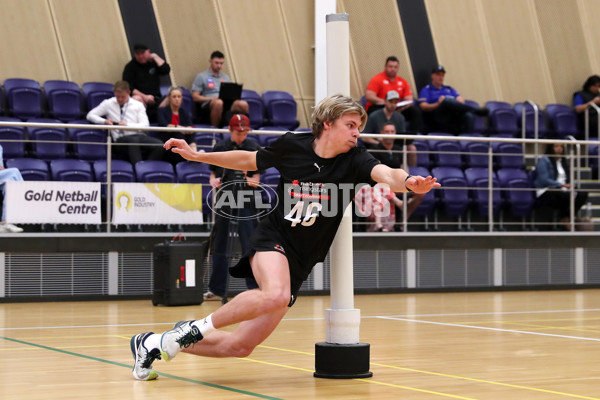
(444, 108)
(384, 115)
(387, 80)
(223, 179)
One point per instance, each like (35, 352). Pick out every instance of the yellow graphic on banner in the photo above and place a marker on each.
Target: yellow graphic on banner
(124, 200)
(180, 196)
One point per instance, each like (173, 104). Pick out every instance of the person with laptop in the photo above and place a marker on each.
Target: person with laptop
(206, 89)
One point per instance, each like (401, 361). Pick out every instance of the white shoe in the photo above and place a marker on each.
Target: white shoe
(210, 296)
(144, 357)
(183, 335)
(10, 228)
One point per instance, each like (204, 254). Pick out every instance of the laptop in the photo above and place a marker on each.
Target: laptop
(230, 91)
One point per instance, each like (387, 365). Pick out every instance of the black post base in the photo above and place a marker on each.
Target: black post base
(342, 361)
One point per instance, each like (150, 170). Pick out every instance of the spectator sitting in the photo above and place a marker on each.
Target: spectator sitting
(143, 75)
(552, 181)
(445, 109)
(206, 87)
(380, 85)
(378, 203)
(126, 111)
(582, 99)
(174, 116)
(7, 174)
(389, 153)
(382, 116)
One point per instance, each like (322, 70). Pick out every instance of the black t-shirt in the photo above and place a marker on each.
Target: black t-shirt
(392, 159)
(228, 145)
(145, 77)
(309, 211)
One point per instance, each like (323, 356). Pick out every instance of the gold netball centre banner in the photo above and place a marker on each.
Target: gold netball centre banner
(53, 202)
(157, 203)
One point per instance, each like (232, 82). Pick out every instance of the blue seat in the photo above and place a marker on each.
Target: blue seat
(530, 120)
(453, 195)
(479, 125)
(96, 92)
(427, 206)
(192, 172)
(121, 171)
(31, 169)
(83, 147)
(206, 140)
(12, 149)
(281, 108)
(423, 153)
(503, 121)
(508, 155)
(563, 120)
(256, 108)
(50, 142)
(71, 170)
(518, 191)
(446, 154)
(497, 105)
(24, 97)
(64, 99)
(155, 172)
(478, 181)
(476, 154)
(271, 176)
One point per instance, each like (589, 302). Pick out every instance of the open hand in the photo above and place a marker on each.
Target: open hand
(180, 147)
(418, 184)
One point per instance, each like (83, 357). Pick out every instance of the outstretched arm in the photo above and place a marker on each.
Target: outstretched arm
(397, 180)
(235, 159)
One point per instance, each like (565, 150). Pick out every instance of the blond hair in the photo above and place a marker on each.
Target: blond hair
(333, 107)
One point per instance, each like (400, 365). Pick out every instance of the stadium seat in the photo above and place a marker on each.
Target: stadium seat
(45, 146)
(155, 172)
(82, 148)
(563, 120)
(281, 109)
(478, 181)
(71, 170)
(446, 154)
(256, 108)
(530, 120)
(96, 92)
(503, 121)
(206, 140)
(192, 172)
(12, 149)
(31, 169)
(121, 171)
(423, 153)
(518, 191)
(508, 155)
(479, 125)
(24, 98)
(428, 204)
(453, 195)
(64, 99)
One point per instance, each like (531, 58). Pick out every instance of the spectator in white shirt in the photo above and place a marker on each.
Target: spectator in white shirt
(126, 111)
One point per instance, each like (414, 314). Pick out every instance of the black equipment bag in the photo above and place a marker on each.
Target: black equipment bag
(179, 273)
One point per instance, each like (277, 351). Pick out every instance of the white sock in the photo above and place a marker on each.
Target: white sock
(204, 325)
(152, 341)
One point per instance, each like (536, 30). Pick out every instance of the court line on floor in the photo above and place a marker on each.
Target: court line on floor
(449, 376)
(145, 324)
(487, 328)
(212, 385)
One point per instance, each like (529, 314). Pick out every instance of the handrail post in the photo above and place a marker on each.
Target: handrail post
(108, 182)
(405, 194)
(571, 192)
(490, 191)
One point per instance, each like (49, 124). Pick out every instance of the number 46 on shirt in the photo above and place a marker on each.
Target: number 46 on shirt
(312, 212)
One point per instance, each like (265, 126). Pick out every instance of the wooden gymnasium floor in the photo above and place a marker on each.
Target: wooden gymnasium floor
(510, 345)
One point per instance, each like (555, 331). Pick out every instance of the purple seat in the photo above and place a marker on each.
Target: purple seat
(155, 172)
(454, 195)
(281, 108)
(518, 191)
(497, 105)
(24, 97)
(479, 124)
(64, 99)
(83, 149)
(31, 169)
(478, 181)
(508, 155)
(256, 108)
(476, 154)
(423, 153)
(121, 171)
(12, 149)
(530, 120)
(428, 204)
(270, 177)
(50, 143)
(266, 140)
(96, 92)
(446, 154)
(563, 120)
(71, 170)
(192, 172)
(206, 140)
(503, 121)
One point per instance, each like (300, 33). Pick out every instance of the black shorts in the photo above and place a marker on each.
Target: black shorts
(262, 241)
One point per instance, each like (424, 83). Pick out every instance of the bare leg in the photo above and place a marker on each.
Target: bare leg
(216, 110)
(241, 106)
